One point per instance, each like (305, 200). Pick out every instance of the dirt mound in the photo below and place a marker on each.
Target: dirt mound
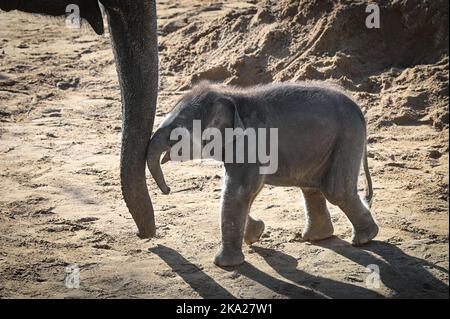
(399, 72)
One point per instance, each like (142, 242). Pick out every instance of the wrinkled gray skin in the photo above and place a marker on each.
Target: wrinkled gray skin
(322, 140)
(132, 26)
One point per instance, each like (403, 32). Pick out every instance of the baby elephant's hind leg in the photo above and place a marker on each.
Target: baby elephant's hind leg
(318, 224)
(341, 184)
(364, 227)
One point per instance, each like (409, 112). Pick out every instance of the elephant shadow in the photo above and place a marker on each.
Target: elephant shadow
(299, 284)
(207, 287)
(193, 275)
(306, 285)
(405, 275)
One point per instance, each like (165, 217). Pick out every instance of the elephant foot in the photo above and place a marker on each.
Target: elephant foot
(253, 231)
(318, 231)
(362, 236)
(229, 258)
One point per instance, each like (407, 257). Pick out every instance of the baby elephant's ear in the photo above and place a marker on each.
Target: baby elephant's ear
(227, 109)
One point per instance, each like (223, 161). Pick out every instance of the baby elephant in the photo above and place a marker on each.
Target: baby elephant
(319, 137)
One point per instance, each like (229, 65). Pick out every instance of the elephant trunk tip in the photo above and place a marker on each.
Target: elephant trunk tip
(156, 147)
(165, 189)
(157, 174)
(159, 178)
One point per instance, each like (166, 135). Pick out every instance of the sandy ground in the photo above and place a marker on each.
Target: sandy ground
(60, 200)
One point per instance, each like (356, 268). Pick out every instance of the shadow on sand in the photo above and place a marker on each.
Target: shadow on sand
(405, 275)
(203, 284)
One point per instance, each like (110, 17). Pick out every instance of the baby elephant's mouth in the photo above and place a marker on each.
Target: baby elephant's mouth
(166, 157)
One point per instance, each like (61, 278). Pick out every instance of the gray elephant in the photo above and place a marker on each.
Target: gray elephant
(132, 25)
(321, 144)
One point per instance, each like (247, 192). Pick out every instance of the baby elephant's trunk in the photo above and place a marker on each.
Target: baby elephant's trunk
(156, 147)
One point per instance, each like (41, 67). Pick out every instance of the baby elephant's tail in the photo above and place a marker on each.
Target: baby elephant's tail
(369, 189)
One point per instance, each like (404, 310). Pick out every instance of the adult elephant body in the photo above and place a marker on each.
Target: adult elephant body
(132, 25)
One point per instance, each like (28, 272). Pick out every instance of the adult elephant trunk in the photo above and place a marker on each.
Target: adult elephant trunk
(132, 25)
(158, 145)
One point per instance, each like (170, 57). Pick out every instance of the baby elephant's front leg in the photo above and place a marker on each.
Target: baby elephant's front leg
(239, 191)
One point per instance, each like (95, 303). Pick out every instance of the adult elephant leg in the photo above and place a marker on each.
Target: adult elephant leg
(132, 25)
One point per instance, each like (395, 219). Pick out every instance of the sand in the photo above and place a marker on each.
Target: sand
(60, 126)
